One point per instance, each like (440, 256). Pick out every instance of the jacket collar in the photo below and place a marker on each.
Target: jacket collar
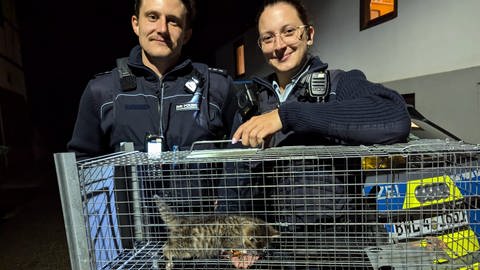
(137, 66)
(313, 64)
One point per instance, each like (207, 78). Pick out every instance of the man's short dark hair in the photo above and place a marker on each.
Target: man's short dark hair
(189, 5)
(297, 4)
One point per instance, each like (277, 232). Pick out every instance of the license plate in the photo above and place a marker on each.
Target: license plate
(420, 227)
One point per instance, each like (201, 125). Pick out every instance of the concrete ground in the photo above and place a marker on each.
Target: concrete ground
(32, 234)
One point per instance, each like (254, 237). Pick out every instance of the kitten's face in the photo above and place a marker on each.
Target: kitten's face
(257, 237)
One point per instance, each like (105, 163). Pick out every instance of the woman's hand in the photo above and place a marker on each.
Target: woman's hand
(254, 131)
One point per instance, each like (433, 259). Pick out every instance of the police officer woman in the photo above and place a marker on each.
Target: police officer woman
(350, 110)
(304, 103)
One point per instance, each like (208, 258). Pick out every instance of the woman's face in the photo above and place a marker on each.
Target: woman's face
(286, 51)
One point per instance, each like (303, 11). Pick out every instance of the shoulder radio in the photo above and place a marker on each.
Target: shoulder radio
(317, 86)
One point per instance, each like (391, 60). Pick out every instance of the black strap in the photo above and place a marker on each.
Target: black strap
(128, 81)
(333, 83)
(247, 99)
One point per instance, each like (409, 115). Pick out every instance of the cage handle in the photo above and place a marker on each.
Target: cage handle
(262, 146)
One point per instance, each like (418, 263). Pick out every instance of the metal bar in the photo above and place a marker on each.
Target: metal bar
(128, 262)
(137, 208)
(75, 225)
(261, 146)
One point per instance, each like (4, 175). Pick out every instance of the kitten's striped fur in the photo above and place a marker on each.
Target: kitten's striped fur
(209, 236)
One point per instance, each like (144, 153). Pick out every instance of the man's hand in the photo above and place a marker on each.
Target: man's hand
(244, 261)
(254, 131)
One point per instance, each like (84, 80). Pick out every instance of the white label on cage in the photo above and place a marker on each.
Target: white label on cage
(414, 228)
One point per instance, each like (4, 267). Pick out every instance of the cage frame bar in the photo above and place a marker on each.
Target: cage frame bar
(137, 208)
(72, 207)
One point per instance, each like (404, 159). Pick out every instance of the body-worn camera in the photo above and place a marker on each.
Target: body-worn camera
(153, 145)
(247, 101)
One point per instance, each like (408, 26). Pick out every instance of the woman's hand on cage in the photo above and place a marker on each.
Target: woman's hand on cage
(253, 132)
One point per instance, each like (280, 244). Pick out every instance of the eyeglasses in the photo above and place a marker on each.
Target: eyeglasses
(289, 35)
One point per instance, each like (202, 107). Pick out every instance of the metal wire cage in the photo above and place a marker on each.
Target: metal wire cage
(402, 206)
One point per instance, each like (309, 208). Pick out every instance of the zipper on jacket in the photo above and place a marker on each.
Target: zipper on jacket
(160, 110)
(161, 104)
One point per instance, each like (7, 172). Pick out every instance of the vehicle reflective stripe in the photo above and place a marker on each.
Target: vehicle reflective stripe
(440, 261)
(474, 266)
(459, 244)
(411, 200)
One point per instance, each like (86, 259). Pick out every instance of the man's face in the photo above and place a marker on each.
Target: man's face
(161, 29)
(285, 55)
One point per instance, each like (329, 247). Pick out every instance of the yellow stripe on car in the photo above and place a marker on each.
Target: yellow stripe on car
(475, 266)
(459, 244)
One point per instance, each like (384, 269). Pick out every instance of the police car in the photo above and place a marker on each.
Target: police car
(423, 207)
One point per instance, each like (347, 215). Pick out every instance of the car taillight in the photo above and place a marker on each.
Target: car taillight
(373, 163)
(432, 192)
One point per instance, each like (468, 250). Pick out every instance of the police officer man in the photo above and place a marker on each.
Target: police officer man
(152, 93)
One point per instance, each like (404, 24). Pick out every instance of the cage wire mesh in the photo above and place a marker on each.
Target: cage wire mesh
(402, 206)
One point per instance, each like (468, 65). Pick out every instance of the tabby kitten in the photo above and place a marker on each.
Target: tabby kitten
(211, 236)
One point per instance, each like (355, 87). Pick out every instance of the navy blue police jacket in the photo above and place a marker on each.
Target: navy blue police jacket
(164, 106)
(356, 111)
